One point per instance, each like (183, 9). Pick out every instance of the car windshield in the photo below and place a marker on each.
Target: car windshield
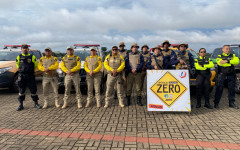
(218, 51)
(82, 54)
(194, 54)
(8, 55)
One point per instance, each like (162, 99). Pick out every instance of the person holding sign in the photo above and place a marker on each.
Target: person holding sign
(203, 66)
(114, 63)
(184, 58)
(134, 64)
(226, 70)
(157, 61)
(93, 65)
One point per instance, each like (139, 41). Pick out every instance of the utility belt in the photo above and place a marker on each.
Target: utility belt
(226, 70)
(204, 72)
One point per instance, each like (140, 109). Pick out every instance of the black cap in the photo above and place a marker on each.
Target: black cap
(24, 46)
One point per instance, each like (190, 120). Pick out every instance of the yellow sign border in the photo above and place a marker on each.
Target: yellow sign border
(177, 97)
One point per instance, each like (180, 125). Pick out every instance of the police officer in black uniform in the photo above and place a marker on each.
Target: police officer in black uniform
(26, 64)
(226, 71)
(203, 65)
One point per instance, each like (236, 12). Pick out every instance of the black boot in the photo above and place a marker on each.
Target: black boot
(139, 101)
(233, 106)
(198, 103)
(20, 107)
(216, 106)
(37, 105)
(128, 101)
(207, 104)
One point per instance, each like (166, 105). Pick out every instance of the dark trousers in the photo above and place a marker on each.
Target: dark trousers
(24, 81)
(203, 85)
(231, 80)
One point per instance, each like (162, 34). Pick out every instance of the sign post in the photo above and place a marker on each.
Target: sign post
(168, 90)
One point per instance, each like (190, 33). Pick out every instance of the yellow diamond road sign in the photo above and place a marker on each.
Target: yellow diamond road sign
(168, 89)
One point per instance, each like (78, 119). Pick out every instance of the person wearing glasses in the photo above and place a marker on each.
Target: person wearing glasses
(114, 63)
(203, 65)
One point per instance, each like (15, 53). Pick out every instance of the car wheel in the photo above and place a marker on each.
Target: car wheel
(14, 87)
(237, 86)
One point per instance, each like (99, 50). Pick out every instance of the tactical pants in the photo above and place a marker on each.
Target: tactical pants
(131, 78)
(24, 81)
(46, 82)
(94, 81)
(111, 81)
(231, 80)
(203, 84)
(68, 80)
(123, 82)
(143, 79)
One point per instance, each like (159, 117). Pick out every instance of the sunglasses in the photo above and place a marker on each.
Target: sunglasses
(203, 52)
(121, 45)
(114, 49)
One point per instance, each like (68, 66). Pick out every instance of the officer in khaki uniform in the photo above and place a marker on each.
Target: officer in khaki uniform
(123, 53)
(134, 64)
(71, 64)
(146, 54)
(93, 65)
(157, 61)
(49, 65)
(114, 63)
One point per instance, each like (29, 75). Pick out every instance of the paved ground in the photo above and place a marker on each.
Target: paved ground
(116, 128)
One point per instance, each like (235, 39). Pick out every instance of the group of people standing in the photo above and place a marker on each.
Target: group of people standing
(123, 69)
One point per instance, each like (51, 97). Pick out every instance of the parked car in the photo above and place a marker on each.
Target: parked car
(82, 50)
(8, 69)
(235, 49)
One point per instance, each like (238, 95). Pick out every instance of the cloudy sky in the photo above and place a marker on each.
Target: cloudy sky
(58, 23)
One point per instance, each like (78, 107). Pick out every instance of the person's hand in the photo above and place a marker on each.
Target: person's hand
(114, 72)
(182, 61)
(223, 61)
(134, 71)
(69, 72)
(155, 67)
(90, 73)
(46, 70)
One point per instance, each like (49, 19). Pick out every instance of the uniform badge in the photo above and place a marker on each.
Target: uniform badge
(29, 60)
